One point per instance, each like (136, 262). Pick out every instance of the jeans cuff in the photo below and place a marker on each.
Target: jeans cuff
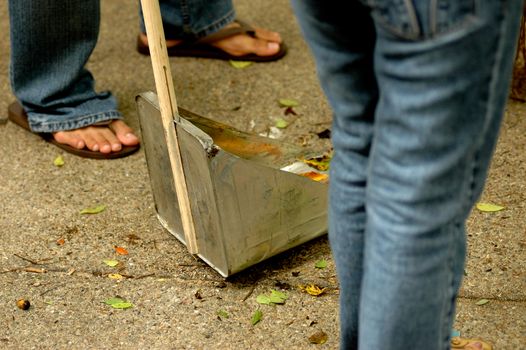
(41, 123)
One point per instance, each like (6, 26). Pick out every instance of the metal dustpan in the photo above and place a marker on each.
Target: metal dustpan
(233, 198)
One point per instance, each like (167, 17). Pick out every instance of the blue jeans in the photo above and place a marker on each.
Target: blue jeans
(51, 42)
(418, 94)
(193, 19)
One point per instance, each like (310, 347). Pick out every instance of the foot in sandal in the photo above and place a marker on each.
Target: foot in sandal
(108, 140)
(104, 139)
(236, 41)
(469, 344)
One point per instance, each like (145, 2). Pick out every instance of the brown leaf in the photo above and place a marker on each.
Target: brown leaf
(61, 241)
(319, 337)
(290, 110)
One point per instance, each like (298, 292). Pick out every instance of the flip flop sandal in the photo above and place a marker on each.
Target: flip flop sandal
(461, 343)
(18, 116)
(202, 48)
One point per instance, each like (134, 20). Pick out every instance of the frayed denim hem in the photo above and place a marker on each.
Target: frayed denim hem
(41, 123)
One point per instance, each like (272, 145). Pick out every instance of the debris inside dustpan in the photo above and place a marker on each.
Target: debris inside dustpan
(315, 168)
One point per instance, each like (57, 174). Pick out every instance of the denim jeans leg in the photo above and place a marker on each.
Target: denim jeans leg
(342, 38)
(442, 91)
(193, 19)
(442, 75)
(51, 42)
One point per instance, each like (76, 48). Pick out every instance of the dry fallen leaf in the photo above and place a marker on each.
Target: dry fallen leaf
(61, 241)
(319, 337)
(121, 250)
(115, 276)
(320, 163)
(313, 289)
(316, 176)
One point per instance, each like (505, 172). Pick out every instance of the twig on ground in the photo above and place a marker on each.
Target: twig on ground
(27, 259)
(249, 292)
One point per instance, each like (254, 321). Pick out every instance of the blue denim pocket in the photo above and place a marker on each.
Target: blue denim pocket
(422, 19)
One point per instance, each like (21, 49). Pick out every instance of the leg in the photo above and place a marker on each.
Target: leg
(188, 20)
(443, 82)
(435, 126)
(51, 43)
(342, 39)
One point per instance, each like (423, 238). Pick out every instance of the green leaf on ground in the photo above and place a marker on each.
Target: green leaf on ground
(482, 302)
(287, 102)
(277, 297)
(118, 303)
(222, 313)
(281, 123)
(256, 317)
(240, 64)
(93, 210)
(263, 299)
(124, 305)
(59, 161)
(320, 264)
(112, 301)
(489, 208)
(110, 262)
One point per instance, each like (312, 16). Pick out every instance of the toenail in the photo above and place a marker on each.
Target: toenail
(273, 46)
(95, 148)
(130, 136)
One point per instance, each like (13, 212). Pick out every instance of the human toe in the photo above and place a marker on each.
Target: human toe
(69, 138)
(124, 133)
(268, 35)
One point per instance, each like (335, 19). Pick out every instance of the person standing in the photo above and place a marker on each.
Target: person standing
(418, 90)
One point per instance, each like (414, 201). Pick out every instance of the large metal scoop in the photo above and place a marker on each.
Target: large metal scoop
(221, 191)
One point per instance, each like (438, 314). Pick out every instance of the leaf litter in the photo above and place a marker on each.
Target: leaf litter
(59, 161)
(94, 210)
(240, 64)
(489, 207)
(320, 264)
(320, 337)
(256, 317)
(118, 303)
(312, 289)
(275, 297)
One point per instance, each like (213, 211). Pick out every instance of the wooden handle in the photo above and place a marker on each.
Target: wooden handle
(168, 106)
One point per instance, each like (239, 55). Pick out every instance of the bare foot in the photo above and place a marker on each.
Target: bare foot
(469, 344)
(104, 139)
(266, 43)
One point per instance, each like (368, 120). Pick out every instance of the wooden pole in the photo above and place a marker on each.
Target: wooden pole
(169, 113)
